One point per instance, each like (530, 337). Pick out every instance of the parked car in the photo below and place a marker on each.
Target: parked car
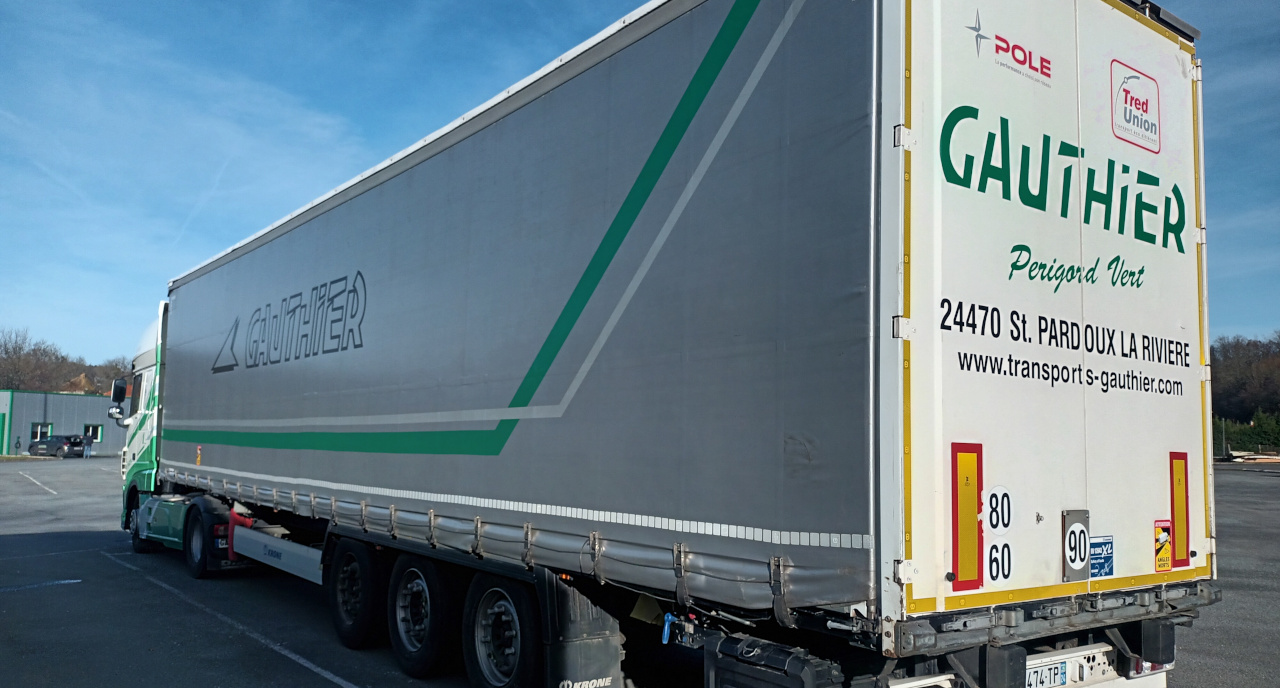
(60, 446)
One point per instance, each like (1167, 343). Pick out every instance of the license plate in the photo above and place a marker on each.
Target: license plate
(1050, 675)
(221, 543)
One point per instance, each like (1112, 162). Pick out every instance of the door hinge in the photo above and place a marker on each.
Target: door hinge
(905, 572)
(902, 328)
(903, 138)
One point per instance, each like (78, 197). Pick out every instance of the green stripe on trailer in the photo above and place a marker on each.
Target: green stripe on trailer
(491, 442)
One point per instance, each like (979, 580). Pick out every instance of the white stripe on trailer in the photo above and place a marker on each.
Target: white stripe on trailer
(777, 537)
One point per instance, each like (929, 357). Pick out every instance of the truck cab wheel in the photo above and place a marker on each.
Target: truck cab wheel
(140, 546)
(195, 544)
(422, 617)
(500, 643)
(356, 601)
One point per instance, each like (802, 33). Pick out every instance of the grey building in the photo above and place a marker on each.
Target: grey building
(28, 416)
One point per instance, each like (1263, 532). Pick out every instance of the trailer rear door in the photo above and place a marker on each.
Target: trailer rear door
(1055, 416)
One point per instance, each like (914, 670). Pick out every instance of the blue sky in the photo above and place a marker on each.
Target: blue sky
(139, 138)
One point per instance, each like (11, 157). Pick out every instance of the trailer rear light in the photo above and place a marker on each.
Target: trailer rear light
(220, 530)
(1142, 668)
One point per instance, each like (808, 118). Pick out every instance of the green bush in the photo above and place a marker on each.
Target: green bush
(1263, 431)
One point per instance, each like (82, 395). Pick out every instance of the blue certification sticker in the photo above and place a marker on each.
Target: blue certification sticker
(1101, 556)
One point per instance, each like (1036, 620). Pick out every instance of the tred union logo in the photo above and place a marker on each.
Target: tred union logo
(1135, 107)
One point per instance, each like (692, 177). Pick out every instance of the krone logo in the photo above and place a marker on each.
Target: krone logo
(1135, 107)
(593, 683)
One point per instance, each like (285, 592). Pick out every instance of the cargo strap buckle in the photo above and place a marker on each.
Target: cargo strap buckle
(678, 554)
(597, 552)
(778, 585)
(527, 555)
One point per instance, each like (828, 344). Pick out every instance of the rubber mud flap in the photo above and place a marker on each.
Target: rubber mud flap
(583, 641)
(1004, 667)
(1158, 641)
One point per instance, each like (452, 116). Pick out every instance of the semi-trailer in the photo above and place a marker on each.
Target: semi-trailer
(849, 342)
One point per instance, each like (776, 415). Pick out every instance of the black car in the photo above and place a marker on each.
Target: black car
(60, 446)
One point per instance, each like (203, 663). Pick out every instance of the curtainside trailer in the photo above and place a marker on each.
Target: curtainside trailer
(847, 342)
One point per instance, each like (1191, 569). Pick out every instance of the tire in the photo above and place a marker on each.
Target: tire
(61, 453)
(355, 588)
(195, 544)
(422, 617)
(500, 640)
(130, 509)
(141, 546)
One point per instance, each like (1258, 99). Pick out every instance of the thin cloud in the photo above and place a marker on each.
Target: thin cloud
(112, 149)
(204, 198)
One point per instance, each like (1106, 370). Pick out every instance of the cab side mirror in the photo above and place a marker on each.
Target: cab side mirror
(115, 412)
(118, 390)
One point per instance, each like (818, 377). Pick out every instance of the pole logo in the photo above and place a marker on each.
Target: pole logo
(1135, 107)
(1012, 54)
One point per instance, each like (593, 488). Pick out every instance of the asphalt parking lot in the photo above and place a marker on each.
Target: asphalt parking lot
(79, 608)
(1234, 643)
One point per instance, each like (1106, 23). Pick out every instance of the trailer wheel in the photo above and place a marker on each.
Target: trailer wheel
(141, 546)
(195, 544)
(355, 595)
(500, 634)
(422, 618)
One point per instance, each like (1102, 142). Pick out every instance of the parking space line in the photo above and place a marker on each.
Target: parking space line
(268, 643)
(35, 481)
(51, 554)
(33, 586)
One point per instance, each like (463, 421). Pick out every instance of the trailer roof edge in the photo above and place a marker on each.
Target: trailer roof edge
(330, 199)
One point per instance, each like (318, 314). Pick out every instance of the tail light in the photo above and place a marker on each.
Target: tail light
(220, 530)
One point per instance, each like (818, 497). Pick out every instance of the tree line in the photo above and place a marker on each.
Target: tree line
(1246, 392)
(40, 366)
(1246, 381)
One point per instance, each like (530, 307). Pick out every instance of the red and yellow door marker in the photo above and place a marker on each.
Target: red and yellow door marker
(966, 516)
(1179, 508)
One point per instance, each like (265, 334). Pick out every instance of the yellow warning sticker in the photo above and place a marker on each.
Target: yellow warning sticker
(1164, 546)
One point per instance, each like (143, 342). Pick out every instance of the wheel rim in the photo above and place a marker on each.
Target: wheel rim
(195, 538)
(413, 610)
(348, 586)
(497, 635)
